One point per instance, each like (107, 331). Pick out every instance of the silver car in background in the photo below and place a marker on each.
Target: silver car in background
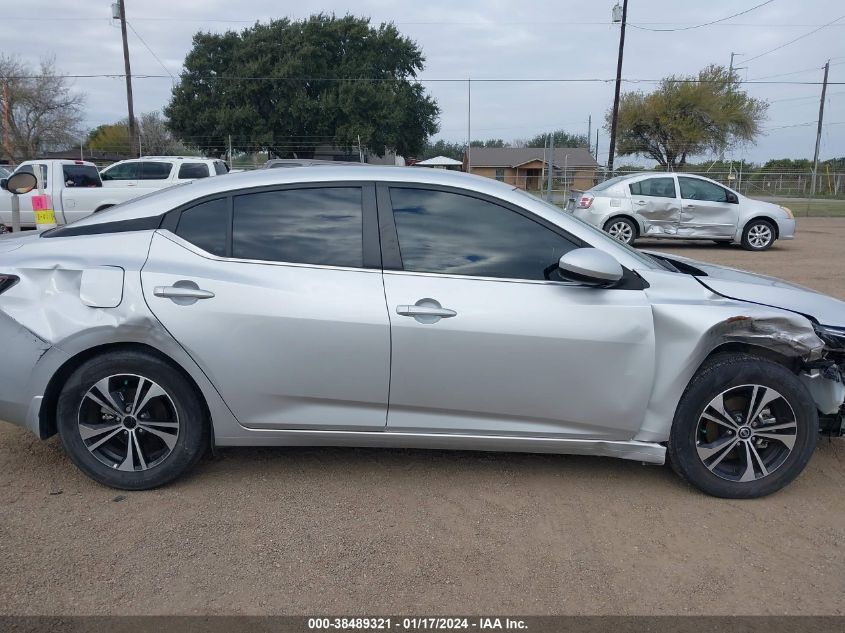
(681, 206)
(402, 307)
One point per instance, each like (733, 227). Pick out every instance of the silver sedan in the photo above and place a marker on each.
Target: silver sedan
(681, 206)
(402, 308)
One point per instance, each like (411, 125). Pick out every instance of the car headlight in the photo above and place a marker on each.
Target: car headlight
(834, 337)
(788, 213)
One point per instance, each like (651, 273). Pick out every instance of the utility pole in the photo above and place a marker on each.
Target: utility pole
(589, 130)
(551, 166)
(597, 145)
(132, 131)
(615, 116)
(469, 124)
(230, 150)
(819, 130)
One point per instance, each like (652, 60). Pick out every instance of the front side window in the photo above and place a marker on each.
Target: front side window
(192, 171)
(30, 169)
(655, 187)
(204, 225)
(126, 171)
(450, 233)
(321, 225)
(154, 170)
(695, 189)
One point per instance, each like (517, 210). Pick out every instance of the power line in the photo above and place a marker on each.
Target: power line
(698, 26)
(797, 72)
(425, 80)
(800, 37)
(161, 63)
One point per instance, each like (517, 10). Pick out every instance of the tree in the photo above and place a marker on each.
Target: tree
(686, 116)
(289, 86)
(490, 142)
(562, 139)
(156, 138)
(44, 114)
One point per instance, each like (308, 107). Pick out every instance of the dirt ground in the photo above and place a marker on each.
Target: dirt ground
(329, 531)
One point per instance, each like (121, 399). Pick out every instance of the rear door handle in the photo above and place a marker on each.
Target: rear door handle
(415, 311)
(181, 292)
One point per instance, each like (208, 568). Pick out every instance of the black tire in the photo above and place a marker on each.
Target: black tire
(623, 229)
(751, 235)
(168, 459)
(731, 372)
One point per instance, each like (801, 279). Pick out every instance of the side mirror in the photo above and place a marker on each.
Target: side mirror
(590, 266)
(732, 198)
(19, 183)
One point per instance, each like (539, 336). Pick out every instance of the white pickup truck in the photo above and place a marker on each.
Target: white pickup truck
(75, 191)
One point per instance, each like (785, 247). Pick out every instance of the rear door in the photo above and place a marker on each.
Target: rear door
(706, 209)
(155, 174)
(277, 294)
(655, 202)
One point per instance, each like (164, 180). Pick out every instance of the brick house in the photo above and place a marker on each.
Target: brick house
(525, 167)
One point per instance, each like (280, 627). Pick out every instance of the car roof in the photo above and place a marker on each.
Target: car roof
(191, 158)
(171, 197)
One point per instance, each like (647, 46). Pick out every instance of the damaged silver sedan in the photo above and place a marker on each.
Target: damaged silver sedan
(403, 308)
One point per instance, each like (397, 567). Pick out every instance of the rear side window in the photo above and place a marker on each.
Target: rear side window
(204, 225)
(81, 176)
(306, 226)
(193, 170)
(655, 187)
(220, 168)
(154, 170)
(126, 171)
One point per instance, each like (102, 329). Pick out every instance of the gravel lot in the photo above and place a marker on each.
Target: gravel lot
(258, 531)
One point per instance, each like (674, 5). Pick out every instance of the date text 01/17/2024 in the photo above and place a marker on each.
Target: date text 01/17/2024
(415, 623)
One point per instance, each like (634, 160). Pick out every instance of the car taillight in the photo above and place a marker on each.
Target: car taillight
(6, 282)
(586, 201)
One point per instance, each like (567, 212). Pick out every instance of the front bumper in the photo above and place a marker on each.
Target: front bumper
(786, 228)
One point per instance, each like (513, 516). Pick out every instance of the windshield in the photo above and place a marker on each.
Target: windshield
(598, 236)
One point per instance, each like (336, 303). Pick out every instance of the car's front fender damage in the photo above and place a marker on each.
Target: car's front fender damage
(769, 332)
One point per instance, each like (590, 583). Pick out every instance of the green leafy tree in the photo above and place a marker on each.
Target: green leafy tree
(562, 139)
(687, 116)
(490, 142)
(290, 86)
(443, 148)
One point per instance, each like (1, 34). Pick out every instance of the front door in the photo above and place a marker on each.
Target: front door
(706, 211)
(270, 294)
(485, 340)
(655, 202)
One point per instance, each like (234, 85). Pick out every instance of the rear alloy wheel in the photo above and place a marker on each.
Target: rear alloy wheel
(758, 235)
(744, 428)
(131, 421)
(621, 229)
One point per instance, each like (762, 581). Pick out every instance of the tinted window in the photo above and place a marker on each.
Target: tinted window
(443, 232)
(220, 168)
(306, 226)
(656, 187)
(81, 176)
(193, 170)
(126, 171)
(609, 183)
(29, 169)
(205, 226)
(155, 170)
(695, 189)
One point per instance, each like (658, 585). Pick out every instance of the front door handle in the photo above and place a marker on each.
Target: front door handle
(414, 311)
(183, 292)
(426, 311)
(641, 202)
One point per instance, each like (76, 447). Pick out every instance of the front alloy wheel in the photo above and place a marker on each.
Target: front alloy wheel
(746, 433)
(758, 236)
(745, 427)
